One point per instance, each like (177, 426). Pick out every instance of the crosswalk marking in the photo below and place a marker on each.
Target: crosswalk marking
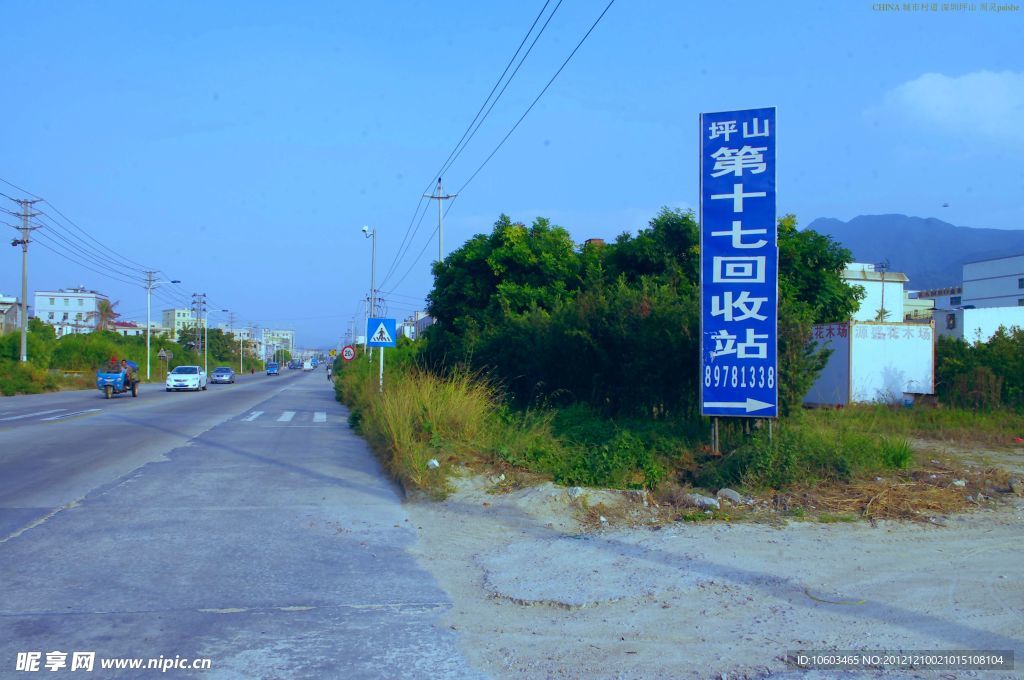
(32, 415)
(318, 417)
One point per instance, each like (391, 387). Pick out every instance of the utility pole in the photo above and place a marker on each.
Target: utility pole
(439, 197)
(199, 307)
(150, 285)
(26, 230)
(150, 280)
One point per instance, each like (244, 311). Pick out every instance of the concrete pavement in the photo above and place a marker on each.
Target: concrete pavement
(247, 525)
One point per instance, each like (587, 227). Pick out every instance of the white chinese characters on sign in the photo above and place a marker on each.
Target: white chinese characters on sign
(737, 233)
(738, 309)
(755, 347)
(737, 160)
(738, 269)
(757, 127)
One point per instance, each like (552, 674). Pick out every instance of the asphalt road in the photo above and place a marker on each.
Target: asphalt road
(246, 525)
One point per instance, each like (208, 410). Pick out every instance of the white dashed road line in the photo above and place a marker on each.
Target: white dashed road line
(32, 415)
(286, 417)
(73, 413)
(320, 417)
(253, 416)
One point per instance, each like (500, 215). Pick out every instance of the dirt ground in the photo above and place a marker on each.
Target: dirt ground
(537, 596)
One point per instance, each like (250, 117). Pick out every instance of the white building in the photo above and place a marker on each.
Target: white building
(882, 290)
(72, 310)
(977, 324)
(279, 339)
(410, 327)
(10, 314)
(248, 336)
(174, 320)
(949, 297)
(129, 328)
(916, 308)
(994, 283)
(992, 295)
(876, 356)
(423, 322)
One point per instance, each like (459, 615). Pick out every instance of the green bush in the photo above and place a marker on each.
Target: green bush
(19, 378)
(804, 452)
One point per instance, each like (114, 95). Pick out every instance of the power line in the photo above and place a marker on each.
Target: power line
(86, 248)
(456, 149)
(451, 160)
(537, 99)
(142, 268)
(70, 247)
(507, 135)
(106, 249)
(61, 251)
(10, 184)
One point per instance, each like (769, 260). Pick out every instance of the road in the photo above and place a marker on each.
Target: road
(246, 525)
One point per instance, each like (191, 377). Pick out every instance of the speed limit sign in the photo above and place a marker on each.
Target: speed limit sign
(348, 353)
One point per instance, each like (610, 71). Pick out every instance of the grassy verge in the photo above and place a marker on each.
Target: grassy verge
(856, 462)
(455, 420)
(993, 428)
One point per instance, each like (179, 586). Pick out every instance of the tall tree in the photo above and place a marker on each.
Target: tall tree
(105, 314)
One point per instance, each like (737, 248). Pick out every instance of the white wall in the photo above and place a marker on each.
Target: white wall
(875, 362)
(978, 325)
(890, 359)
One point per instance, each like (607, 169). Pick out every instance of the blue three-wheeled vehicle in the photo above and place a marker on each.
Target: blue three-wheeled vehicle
(115, 378)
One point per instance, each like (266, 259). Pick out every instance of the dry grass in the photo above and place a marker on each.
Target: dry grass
(919, 495)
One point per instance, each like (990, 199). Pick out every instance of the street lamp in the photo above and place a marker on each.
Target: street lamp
(150, 283)
(371, 234)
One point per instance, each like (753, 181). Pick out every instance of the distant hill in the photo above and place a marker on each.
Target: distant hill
(929, 251)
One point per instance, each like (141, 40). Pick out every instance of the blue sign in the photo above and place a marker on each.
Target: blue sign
(739, 264)
(380, 333)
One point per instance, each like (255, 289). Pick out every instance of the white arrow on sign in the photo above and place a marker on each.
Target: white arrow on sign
(748, 405)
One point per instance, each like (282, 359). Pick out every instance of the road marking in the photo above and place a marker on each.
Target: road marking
(73, 413)
(320, 417)
(253, 416)
(32, 415)
(286, 417)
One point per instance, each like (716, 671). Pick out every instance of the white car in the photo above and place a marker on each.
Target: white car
(186, 378)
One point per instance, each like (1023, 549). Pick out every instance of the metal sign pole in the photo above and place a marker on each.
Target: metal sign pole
(382, 370)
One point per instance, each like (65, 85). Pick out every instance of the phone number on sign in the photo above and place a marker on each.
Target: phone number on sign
(739, 376)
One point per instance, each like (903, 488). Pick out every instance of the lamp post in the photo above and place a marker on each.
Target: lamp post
(150, 283)
(371, 234)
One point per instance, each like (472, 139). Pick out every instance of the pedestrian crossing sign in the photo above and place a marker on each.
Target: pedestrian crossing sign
(380, 333)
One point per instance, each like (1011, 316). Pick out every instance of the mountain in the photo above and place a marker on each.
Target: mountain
(929, 251)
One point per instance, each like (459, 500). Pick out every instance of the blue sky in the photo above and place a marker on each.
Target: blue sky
(240, 147)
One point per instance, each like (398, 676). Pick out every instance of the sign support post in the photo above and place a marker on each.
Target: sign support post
(739, 267)
(381, 333)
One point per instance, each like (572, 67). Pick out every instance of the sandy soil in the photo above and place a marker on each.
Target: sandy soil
(535, 596)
